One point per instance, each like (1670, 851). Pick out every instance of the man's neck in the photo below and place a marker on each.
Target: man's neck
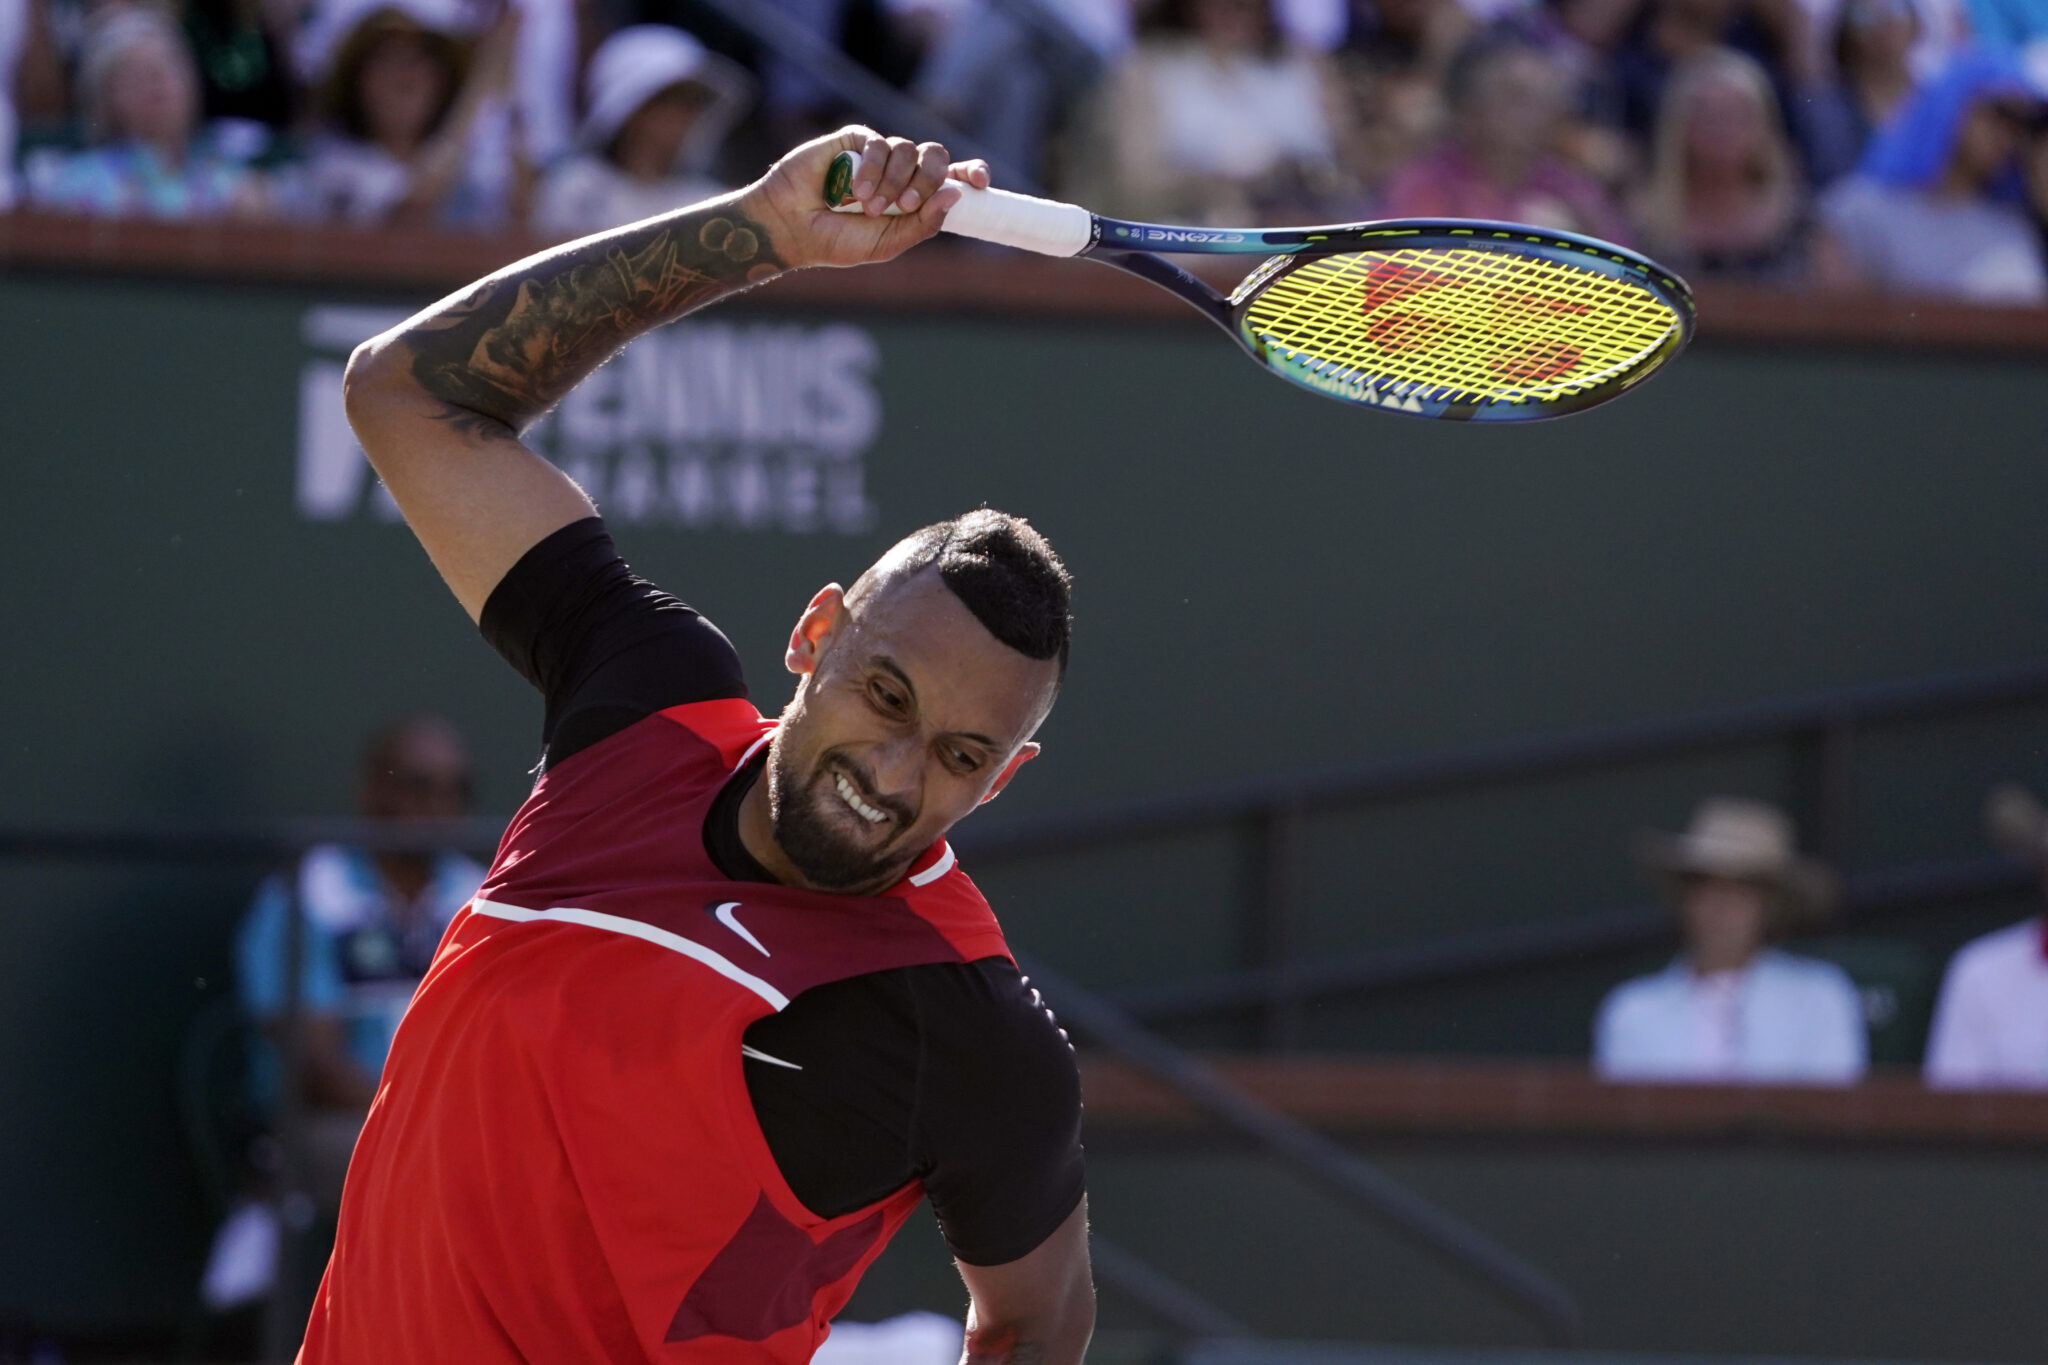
(408, 874)
(757, 834)
(1704, 967)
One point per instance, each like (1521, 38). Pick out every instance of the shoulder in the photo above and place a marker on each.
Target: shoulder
(2017, 946)
(338, 889)
(984, 1022)
(1808, 975)
(75, 177)
(1856, 199)
(1641, 993)
(729, 725)
(943, 895)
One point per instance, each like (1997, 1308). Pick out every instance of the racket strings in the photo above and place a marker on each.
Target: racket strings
(1462, 325)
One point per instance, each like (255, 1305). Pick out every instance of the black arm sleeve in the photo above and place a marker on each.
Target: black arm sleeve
(605, 648)
(997, 1129)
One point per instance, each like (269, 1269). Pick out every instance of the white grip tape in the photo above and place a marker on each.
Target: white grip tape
(1045, 226)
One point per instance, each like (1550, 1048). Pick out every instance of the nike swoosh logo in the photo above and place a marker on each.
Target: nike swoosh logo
(725, 916)
(760, 1056)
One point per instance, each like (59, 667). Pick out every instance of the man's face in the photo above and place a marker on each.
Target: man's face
(1724, 921)
(1516, 109)
(908, 714)
(423, 775)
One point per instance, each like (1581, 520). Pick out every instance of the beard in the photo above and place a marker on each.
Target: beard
(805, 817)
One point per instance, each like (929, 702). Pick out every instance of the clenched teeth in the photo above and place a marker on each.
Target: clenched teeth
(860, 807)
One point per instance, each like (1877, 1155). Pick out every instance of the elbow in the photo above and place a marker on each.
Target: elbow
(368, 381)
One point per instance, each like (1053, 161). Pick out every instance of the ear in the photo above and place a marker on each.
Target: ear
(1017, 760)
(819, 623)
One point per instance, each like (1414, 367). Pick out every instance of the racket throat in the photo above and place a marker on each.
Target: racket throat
(1158, 270)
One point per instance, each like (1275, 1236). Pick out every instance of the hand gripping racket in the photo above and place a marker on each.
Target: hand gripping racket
(1452, 319)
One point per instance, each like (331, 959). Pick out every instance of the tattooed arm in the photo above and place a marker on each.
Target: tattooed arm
(1037, 1310)
(439, 401)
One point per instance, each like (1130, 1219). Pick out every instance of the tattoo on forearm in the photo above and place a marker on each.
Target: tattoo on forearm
(505, 351)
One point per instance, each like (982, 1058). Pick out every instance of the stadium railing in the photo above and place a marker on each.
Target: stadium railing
(951, 277)
(1821, 728)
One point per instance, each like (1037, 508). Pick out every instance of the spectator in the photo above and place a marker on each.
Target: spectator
(1933, 208)
(1660, 37)
(658, 105)
(797, 102)
(1724, 197)
(2016, 28)
(1507, 100)
(1872, 75)
(1873, 45)
(1390, 72)
(1211, 119)
(1729, 1009)
(1991, 1021)
(150, 155)
(371, 923)
(416, 119)
(1003, 80)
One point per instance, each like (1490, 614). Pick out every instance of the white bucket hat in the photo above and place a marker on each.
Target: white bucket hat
(1746, 841)
(635, 64)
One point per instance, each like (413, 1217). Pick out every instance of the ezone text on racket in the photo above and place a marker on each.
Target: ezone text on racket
(1146, 234)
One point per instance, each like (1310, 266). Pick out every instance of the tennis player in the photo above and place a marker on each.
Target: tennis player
(726, 1008)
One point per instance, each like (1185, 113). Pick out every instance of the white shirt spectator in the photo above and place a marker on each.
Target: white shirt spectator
(1991, 1021)
(1781, 1019)
(1237, 118)
(591, 191)
(589, 194)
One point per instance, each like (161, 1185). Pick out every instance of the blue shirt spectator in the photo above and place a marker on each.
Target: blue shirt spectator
(365, 946)
(1934, 208)
(370, 923)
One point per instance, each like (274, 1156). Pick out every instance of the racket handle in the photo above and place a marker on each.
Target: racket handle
(1045, 226)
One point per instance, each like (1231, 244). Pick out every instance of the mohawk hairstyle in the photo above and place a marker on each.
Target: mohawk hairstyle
(1002, 569)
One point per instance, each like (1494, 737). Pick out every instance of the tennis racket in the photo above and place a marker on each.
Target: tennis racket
(1453, 319)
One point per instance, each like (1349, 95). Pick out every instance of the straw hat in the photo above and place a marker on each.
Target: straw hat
(2017, 823)
(639, 62)
(1743, 840)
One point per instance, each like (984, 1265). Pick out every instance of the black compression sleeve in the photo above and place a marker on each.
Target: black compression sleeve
(604, 647)
(997, 1129)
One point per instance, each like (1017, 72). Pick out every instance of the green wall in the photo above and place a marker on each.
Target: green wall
(1265, 580)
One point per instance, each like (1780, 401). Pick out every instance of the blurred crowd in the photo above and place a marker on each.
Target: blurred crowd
(1888, 144)
(1735, 1007)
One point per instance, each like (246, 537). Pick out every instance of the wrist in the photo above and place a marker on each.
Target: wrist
(784, 240)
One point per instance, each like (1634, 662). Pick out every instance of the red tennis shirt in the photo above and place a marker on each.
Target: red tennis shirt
(562, 1163)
